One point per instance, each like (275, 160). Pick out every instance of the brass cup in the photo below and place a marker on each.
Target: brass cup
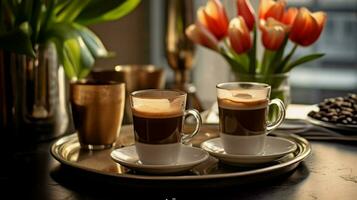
(98, 108)
(135, 77)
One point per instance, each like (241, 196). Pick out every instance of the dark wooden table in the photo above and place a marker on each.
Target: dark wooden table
(330, 172)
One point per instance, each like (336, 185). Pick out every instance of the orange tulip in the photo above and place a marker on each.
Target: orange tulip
(273, 33)
(271, 8)
(214, 18)
(247, 12)
(199, 34)
(307, 27)
(239, 36)
(289, 16)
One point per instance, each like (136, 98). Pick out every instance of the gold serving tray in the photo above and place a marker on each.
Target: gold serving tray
(211, 172)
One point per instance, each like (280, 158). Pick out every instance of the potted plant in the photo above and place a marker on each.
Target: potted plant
(38, 39)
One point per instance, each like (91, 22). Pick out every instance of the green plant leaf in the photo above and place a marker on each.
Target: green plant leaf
(302, 60)
(252, 53)
(18, 40)
(76, 58)
(97, 11)
(48, 19)
(60, 5)
(277, 59)
(93, 43)
(35, 19)
(72, 10)
(234, 63)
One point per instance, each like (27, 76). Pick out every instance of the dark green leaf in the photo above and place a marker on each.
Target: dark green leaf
(76, 57)
(252, 53)
(93, 43)
(303, 60)
(48, 19)
(61, 5)
(72, 10)
(62, 56)
(35, 20)
(233, 62)
(18, 40)
(282, 65)
(277, 60)
(97, 11)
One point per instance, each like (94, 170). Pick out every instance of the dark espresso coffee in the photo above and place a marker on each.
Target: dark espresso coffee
(156, 127)
(242, 117)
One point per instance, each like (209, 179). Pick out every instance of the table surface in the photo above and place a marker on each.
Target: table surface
(330, 172)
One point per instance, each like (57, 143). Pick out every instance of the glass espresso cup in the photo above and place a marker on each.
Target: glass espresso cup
(158, 118)
(243, 116)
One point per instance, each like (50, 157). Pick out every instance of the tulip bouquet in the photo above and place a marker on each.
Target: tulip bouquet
(236, 40)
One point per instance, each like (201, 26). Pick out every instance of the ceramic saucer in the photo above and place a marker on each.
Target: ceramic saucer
(188, 158)
(275, 148)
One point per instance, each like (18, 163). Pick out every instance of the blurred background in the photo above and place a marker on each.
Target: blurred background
(139, 39)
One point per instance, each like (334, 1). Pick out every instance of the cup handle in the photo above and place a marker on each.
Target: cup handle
(187, 137)
(273, 125)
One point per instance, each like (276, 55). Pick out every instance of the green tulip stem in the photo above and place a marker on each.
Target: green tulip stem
(284, 63)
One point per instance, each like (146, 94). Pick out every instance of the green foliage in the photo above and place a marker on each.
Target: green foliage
(26, 23)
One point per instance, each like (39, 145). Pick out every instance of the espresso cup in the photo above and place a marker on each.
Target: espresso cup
(243, 116)
(98, 108)
(158, 119)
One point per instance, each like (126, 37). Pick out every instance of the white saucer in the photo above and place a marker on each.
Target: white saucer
(188, 158)
(275, 147)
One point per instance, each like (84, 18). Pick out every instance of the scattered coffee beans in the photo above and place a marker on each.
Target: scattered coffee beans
(339, 110)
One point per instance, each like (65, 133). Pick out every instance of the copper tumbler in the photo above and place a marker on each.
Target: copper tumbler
(135, 77)
(98, 108)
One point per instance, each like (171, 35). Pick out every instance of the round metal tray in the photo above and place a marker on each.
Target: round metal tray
(211, 172)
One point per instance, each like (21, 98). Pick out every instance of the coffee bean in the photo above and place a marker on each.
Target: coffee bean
(349, 119)
(346, 104)
(337, 110)
(325, 119)
(334, 119)
(347, 113)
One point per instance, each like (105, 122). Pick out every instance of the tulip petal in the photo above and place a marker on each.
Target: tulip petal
(264, 7)
(239, 35)
(289, 16)
(214, 18)
(276, 11)
(307, 27)
(273, 34)
(200, 35)
(201, 16)
(246, 10)
(320, 19)
(270, 8)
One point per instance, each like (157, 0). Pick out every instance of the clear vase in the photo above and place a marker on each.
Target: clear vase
(280, 87)
(34, 95)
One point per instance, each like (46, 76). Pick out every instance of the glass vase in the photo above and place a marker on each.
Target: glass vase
(34, 95)
(280, 87)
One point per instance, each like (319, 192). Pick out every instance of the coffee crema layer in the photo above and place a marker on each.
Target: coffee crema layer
(244, 117)
(235, 103)
(147, 112)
